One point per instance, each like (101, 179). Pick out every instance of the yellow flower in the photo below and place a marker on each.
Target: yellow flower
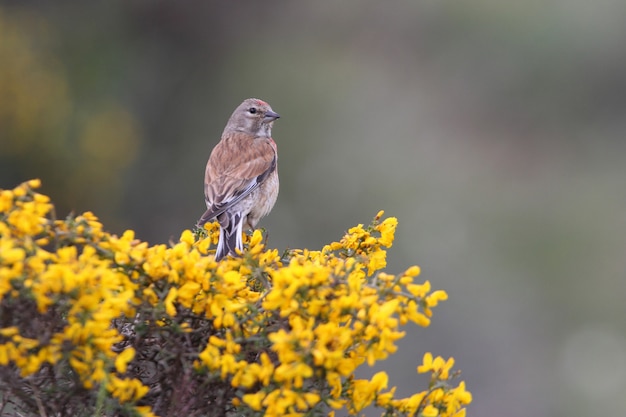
(364, 392)
(457, 398)
(256, 247)
(126, 389)
(377, 261)
(145, 411)
(444, 367)
(433, 299)
(427, 363)
(334, 380)
(9, 331)
(170, 309)
(187, 237)
(6, 200)
(254, 400)
(438, 366)
(10, 255)
(287, 331)
(379, 381)
(419, 290)
(188, 292)
(387, 231)
(430, 411)
(34, 183)
(122, 360)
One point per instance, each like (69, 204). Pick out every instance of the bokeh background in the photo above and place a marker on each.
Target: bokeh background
(495, 131)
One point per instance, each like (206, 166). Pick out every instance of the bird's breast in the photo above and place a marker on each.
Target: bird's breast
(268, 194)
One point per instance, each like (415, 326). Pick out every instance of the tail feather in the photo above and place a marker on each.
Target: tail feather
(231, 229)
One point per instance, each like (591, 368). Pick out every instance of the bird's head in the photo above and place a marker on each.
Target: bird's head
(253, 116)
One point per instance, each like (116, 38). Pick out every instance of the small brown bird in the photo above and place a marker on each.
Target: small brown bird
(241, 177)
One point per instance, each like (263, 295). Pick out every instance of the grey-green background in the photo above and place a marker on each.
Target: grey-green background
(494, 131)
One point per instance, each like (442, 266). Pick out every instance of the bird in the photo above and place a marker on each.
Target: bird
(241, 176)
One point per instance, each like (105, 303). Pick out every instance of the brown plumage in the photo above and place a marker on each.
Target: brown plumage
(241, 177)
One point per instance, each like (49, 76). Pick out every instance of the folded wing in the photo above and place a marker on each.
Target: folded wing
(237, 166)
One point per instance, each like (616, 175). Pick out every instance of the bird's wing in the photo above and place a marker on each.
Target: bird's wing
(237, 166)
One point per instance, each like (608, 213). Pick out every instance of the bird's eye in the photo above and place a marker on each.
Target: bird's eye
(252, 110)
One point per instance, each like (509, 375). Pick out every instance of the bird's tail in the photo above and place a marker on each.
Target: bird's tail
(231, 229)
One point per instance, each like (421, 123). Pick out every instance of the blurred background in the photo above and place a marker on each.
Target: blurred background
(495, 132)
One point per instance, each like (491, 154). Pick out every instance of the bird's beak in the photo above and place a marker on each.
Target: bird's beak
(270, 116)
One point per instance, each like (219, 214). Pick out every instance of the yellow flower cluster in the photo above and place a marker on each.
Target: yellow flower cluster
(156, 327)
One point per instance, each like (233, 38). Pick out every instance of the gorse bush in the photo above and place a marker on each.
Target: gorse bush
(92, 324)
